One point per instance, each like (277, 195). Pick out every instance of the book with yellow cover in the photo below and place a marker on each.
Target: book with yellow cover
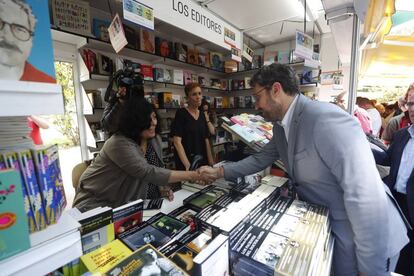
(104, 258)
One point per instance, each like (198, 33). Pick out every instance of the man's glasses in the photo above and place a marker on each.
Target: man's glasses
(256, 95)
(20, 32)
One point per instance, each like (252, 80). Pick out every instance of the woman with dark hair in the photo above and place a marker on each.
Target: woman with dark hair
(190, 132)
(121, 172)
(205, 109)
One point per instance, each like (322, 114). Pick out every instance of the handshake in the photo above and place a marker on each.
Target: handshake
(206, 175)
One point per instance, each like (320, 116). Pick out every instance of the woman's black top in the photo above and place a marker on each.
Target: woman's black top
(193, 134)
(152, 159)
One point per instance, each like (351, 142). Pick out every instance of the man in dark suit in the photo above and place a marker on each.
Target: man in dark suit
(400, 156)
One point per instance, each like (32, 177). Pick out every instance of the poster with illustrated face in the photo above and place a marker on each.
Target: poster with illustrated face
(26, 52)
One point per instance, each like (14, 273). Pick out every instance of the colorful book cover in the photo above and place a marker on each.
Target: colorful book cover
(29, 174)
(147, 72)
(50, 181)
(12, 162)
(163, 47)
(128, 216)
(147, 41)
(159, 74)
(104, 258)
(216, 61)
(14, 231)
(283, 57)
(146, 261)
(192, 56)
(100, 29)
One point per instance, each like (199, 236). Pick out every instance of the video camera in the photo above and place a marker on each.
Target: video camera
(131, 80)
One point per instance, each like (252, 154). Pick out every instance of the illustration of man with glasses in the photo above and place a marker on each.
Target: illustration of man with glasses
(17, 25)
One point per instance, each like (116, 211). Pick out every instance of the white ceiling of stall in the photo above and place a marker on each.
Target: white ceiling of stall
(269, 21)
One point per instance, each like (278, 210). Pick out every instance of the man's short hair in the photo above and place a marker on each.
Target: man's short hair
(28, 10)
(280, 73)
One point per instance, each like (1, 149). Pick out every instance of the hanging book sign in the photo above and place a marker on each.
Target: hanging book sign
(247, 53)
(235, 54)
(304, 45)
(117, 34)
(139, 13)
(229, 37)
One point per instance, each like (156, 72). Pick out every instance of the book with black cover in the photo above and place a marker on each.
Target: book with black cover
(142, 235)
(127, 216)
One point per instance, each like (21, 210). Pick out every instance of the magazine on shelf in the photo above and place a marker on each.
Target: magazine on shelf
(14, 231)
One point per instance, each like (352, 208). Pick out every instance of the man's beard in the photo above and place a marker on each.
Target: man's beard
(274, 113)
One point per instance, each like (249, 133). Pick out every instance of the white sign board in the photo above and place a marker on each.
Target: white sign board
(193, 18)
(138, 13)
(304, 45)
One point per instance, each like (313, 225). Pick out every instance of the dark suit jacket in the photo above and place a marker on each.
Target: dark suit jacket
(392, 158)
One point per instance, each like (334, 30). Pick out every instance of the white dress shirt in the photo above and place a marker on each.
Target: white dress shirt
(406, 165)
(287, 119)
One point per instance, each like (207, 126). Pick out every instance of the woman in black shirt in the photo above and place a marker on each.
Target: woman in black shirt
(190, 131)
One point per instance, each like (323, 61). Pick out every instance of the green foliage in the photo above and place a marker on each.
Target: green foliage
(66, 123)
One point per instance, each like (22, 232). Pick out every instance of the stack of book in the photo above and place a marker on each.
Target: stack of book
(14, 133)
(157, 231)
(251, 129)
(41, 182)
(200, 253)
(281, 237)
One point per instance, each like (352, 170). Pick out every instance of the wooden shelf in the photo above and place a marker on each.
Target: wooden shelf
(24, 98)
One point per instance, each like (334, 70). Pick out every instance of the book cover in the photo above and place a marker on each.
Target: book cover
(202, 81)
(12, 162)
(203, 59)
(104, 258)
(192, 55)
(168, 75)
(132, 65)
(147, 72)
(14, 231)
(216, 61)
(105, 65)
(176, 100)
(213, 259)
(142, 235)
(97, 230)
(145, 261)
(131, 37)
(127, 216)
(100, 29)
(194, 78)
(247, 82)
(169, 225)
(230, 66)
(147, 40)
(178, 76)
(185, 214)
(50, 181)
(187, 77)
(224, 84)
(163, 47)
(181, 51)
(28, 171)
(165, 99)
(159, 74)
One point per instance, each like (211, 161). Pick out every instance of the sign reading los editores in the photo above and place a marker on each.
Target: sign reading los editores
(191, 17)
(138, 13)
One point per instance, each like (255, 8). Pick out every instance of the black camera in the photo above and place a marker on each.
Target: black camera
(131, 80)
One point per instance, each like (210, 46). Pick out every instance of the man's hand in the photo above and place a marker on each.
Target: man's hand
(211, 173)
